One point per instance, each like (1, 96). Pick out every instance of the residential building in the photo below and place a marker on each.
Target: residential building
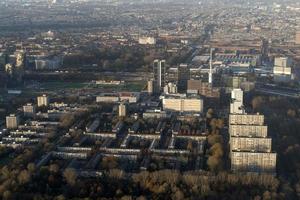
(29, 110)
(43, 100)
(170, 88)
(159, 72)
(122, 110)
(12, 121)
(236, 105)
(182, 103)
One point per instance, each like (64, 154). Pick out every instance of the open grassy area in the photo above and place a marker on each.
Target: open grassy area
(56, 85)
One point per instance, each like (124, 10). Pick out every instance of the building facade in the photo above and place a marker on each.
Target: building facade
(43, 100)
(12, 121)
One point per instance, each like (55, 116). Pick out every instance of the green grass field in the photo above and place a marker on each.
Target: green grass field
(62, 85)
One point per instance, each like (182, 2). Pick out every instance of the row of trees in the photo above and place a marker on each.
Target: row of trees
(111, 58)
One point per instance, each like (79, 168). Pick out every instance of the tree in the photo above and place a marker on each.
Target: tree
(209, 113)
(214, 138)
(24, 177)
(70, 176)
(214, 163)
(7, 195)
(54, 168)
(217, 150)
(31, 167)
(257, 102)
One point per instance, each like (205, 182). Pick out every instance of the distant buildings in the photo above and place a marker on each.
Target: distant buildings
(182, 103)
(159, 72)
(147, 40)
(297, 38)
(12, 121)
(202, 88)
(48, 63)
(130, 97)
(282, 69)
(43, 100)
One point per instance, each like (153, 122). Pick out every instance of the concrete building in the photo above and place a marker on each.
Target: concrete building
(43, 100)
(170, 88)
(282, 69)
(297, 38)
(203, 88)
(236, 105)
(130, 97)
(253, 162)
(147, 40)
(150, 87)
(159, 72)
(108, 97)
(158, 114)
(12, 121)
(250, 144)
(122, 110)
(248, 131)
(29, 110)
(246, 119)
(182, 77)
(183, 103)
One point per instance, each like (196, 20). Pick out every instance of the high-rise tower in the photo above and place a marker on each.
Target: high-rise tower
(210, 75)
(159, 72)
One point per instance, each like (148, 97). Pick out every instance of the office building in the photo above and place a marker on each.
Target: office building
(159, 72)
(12, 121)
(182, 77)
(43, 100)
(236, 105)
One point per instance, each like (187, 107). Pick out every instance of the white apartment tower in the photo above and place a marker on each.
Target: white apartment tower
(236, 105)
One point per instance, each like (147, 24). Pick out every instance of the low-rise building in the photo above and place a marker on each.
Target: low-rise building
(183, 103)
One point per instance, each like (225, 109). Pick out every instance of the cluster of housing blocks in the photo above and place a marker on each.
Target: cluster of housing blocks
(250, 146)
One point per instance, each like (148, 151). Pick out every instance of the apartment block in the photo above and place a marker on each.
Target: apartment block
(253, 162)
